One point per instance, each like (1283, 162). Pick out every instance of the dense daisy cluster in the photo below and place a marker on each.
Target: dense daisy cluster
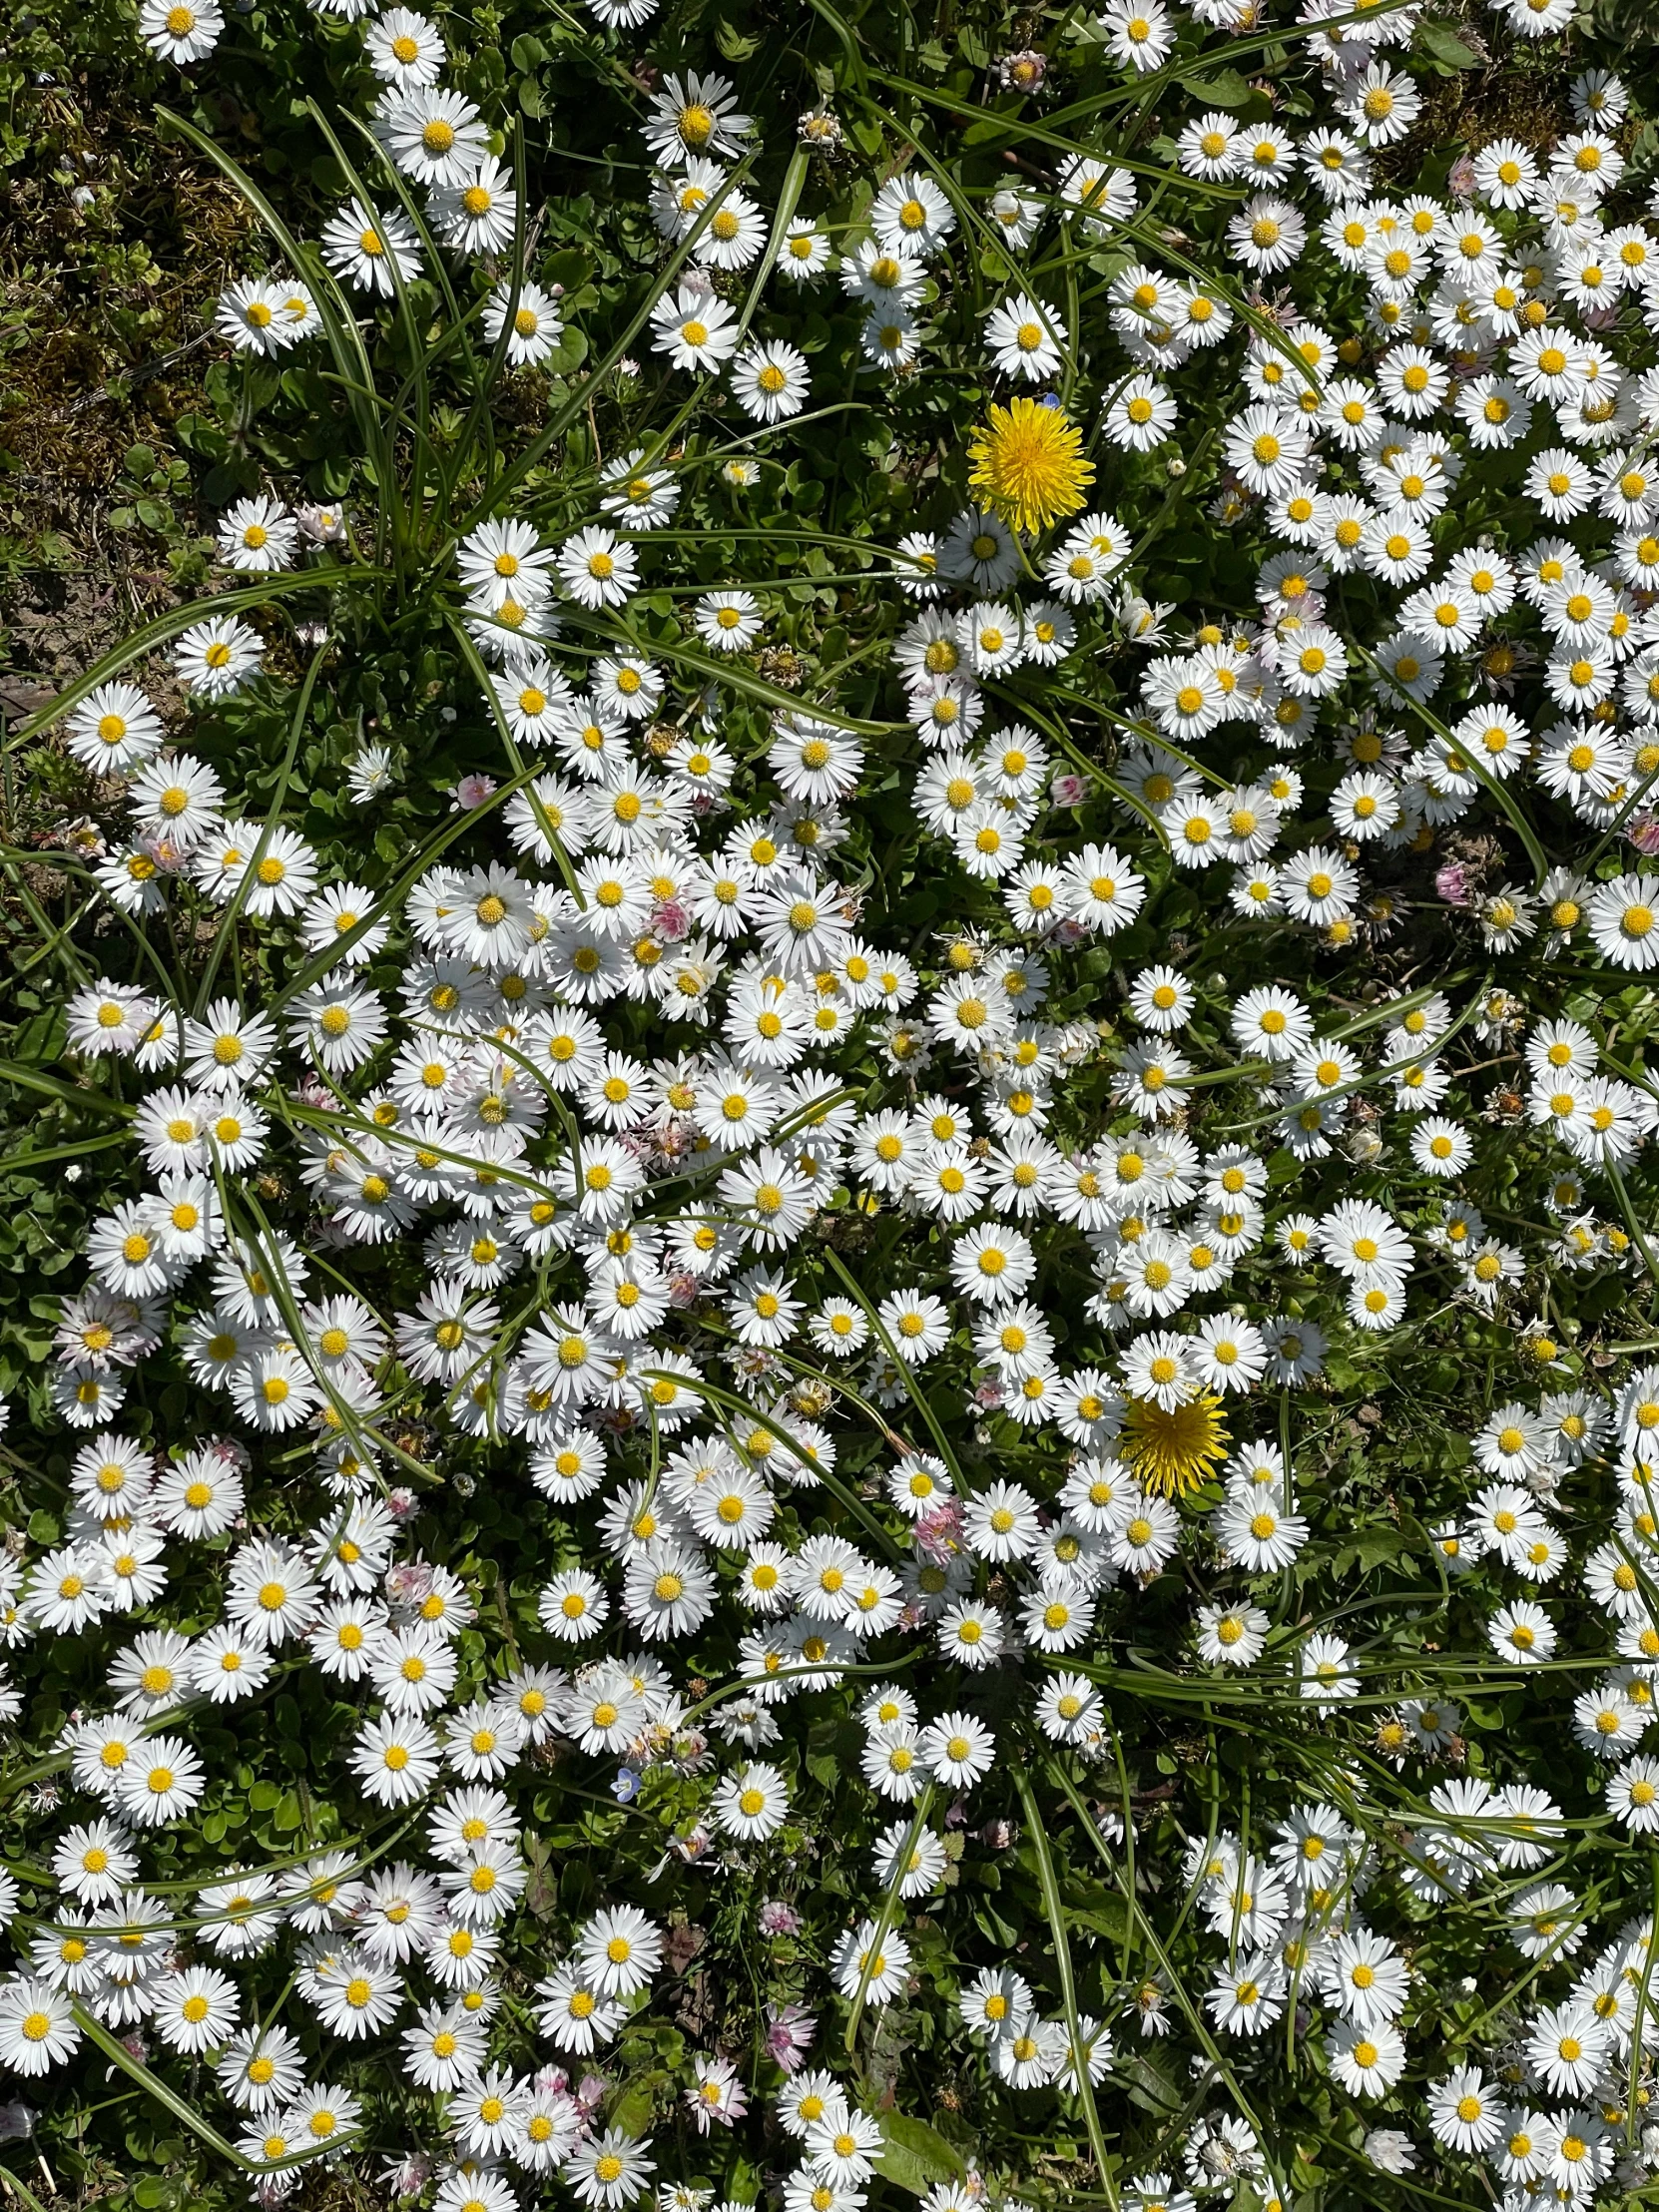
(752, 1319)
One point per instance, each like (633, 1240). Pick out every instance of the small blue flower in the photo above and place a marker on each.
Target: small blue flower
(626, 1787)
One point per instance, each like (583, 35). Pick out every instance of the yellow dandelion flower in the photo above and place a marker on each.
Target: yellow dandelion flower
(1028, 464)
(1177, 1450)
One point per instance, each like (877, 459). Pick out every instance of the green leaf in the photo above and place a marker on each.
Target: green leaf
(169, 2098)
(632, 2110)
(1373, 1546)
(52, 1086)
(1108, 1917)
(569, 354)
(571, 268)
(1226, 89)
(1149, 2087)
(1054, 1907)
(1445, 45)
(736, 45)
(916, 2156)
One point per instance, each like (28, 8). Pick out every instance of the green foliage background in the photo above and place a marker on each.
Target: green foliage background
(121, 433)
